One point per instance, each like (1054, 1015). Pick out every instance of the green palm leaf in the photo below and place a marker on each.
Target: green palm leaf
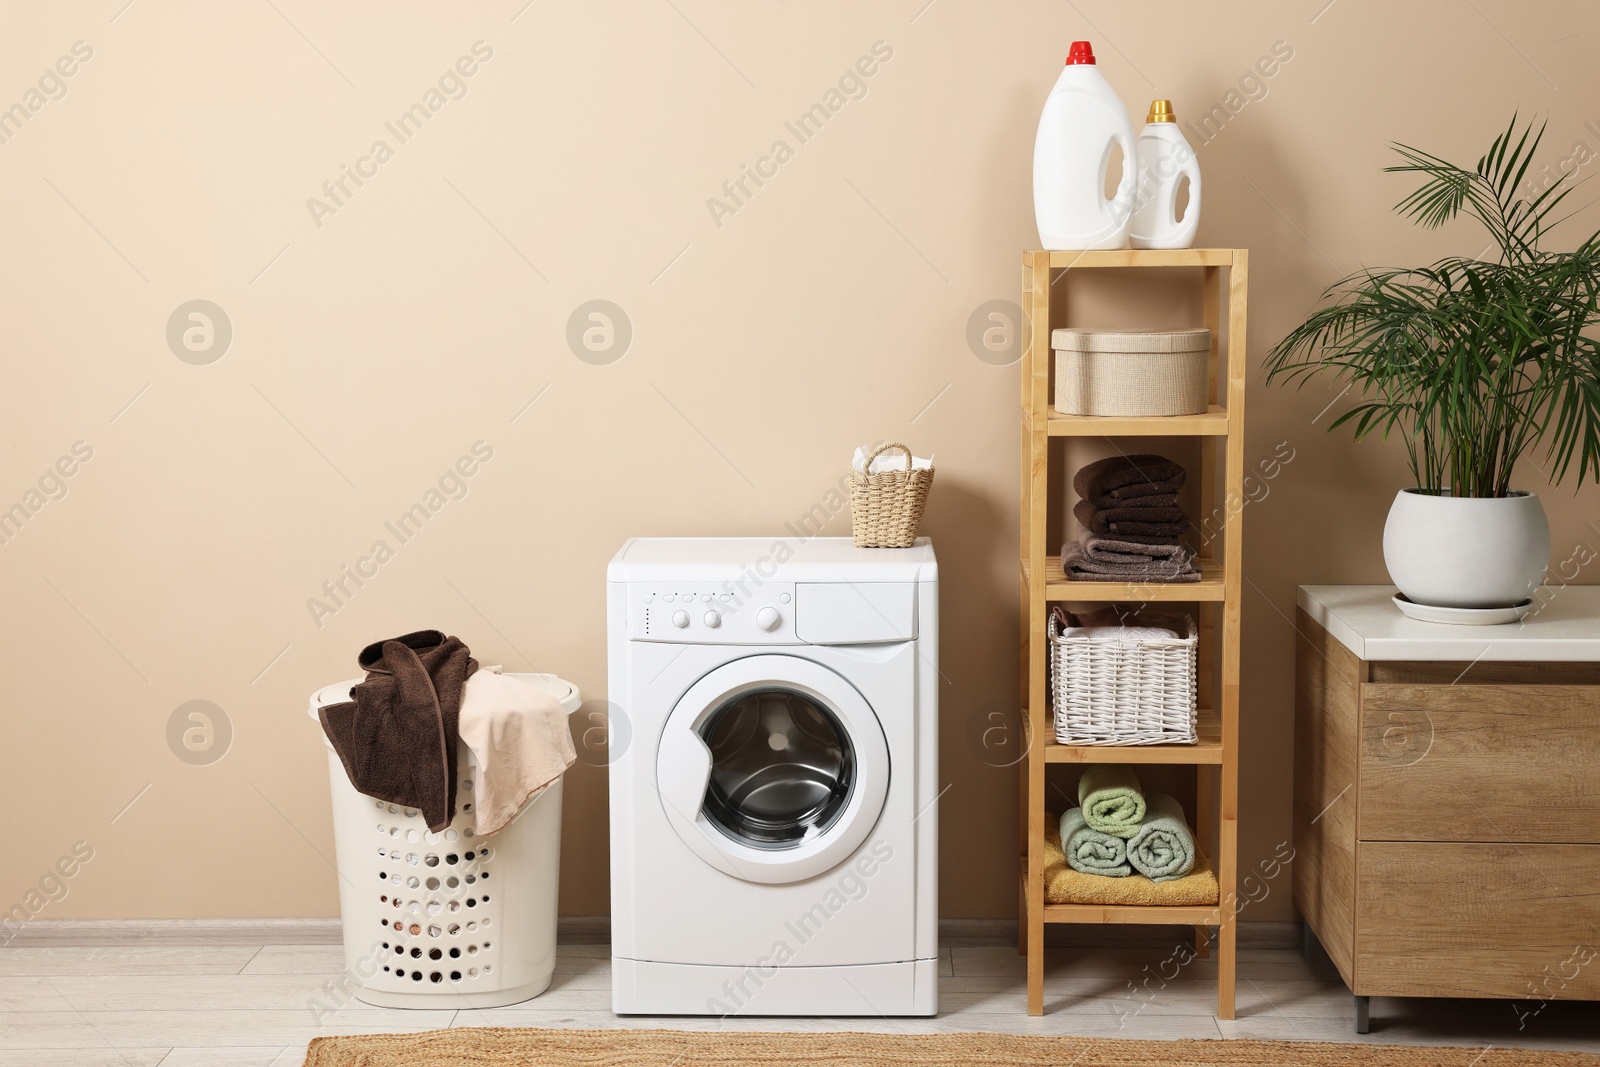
(1472, 363)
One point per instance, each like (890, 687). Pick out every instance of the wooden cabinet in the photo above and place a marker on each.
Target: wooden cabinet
(1447, 798)
(1468, 919)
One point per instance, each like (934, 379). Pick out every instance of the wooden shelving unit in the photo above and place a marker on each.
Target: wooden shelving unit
(1215, 599)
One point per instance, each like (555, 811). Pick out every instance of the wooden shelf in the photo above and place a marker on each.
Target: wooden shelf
(1136, 257)
(1131, 913)
(1057, 586)
(1206, 750)
(1214, 423)
(1217, 436)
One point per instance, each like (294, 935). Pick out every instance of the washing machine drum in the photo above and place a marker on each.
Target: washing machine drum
(773, 769)
(782, 767)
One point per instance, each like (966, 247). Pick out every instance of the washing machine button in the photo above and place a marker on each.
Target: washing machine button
(713, 619)
(768, 619)
(680, 619)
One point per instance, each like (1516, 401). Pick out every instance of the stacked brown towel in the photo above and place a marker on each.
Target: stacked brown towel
(1089, 560)
(397, 734)
(1133, 526)
(1151, 526)
(1143, 481)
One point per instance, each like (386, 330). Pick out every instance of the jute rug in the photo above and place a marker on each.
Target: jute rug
(495, 1047)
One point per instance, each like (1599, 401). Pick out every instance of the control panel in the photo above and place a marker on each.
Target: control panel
(730, 614)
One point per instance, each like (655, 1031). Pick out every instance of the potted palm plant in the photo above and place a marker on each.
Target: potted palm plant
(1475, 363)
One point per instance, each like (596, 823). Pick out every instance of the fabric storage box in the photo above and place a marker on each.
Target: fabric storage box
(1125, 692)
(1132, 372)
(451, 919)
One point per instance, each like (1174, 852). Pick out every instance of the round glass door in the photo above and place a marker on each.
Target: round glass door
(772, 768)
(782, 767)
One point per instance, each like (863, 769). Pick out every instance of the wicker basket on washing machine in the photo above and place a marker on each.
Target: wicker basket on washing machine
(886, 506)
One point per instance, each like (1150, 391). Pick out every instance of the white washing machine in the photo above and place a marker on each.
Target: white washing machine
(774, 777)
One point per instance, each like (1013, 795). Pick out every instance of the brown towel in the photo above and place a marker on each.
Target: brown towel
(396, 736)
(1146, 525)
(1082, 566)
(1126, 479)
(1113, 550)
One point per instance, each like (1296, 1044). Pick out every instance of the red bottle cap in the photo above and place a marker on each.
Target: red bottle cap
(1080, 53)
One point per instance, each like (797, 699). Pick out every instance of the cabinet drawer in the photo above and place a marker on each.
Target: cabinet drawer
(1436, 919)
(1480, 763)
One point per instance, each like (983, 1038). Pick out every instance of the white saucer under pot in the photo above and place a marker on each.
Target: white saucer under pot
(1462, 616)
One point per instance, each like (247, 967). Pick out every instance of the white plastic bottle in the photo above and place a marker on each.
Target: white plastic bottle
(1083, 121)
(1165, 159)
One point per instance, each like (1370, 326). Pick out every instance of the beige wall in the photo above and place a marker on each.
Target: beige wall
(424, 314)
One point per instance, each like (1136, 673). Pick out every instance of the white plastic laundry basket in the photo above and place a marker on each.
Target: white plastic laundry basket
(446, 919)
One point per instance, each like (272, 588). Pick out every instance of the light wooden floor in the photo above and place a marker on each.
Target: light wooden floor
(236, 1004)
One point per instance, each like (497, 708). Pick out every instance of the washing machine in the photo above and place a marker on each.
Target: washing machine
(774, 777)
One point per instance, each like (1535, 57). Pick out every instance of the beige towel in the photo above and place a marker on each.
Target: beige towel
(520, 740)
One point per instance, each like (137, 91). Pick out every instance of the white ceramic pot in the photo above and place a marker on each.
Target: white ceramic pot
(1466, 552)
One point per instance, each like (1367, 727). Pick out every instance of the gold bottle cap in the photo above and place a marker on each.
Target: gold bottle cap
(1160, 111)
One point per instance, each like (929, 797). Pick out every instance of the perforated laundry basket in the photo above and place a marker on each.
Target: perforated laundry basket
(435, 920)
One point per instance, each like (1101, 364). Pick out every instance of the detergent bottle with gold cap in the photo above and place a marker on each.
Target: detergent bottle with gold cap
(1083, 122)
(1165, 160)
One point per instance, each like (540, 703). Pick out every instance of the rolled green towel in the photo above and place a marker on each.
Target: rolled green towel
(1111, 801)
(1090, 851)
(1163, 849)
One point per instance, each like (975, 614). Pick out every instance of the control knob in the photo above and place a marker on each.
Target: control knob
(768, 619)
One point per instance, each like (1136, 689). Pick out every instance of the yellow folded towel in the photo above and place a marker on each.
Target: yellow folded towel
(1063, 885)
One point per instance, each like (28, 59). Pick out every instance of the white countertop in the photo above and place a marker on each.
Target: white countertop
(1564, 626)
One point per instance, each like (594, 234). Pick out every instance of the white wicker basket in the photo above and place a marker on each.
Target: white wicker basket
(1139, 692)
(1132, 372)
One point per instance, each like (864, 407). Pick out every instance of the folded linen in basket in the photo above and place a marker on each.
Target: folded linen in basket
(1080, 565)
(888, 461)
(1126, 479)
(1120, 633)
(1163, 849)
(1111, 799)
(1150, 525)
(1090, 851)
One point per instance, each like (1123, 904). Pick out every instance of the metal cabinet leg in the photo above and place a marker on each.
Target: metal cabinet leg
(1363, 1015)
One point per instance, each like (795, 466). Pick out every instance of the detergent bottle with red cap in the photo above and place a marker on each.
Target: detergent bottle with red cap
(1083, 121)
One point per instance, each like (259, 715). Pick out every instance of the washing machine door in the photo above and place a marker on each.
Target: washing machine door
(773, 769)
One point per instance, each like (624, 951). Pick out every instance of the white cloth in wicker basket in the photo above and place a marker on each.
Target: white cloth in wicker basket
(1133, 691)
(886, 462)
